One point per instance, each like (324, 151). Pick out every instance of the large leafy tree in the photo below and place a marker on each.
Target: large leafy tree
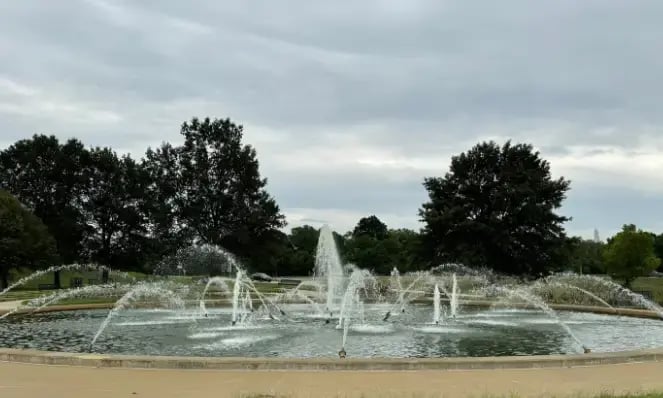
(47, 177)
(372, 227)
(24, 239)
(496, 208)
(211, 189)
(585, 256)
(372, 245)
(299, 258)
(630, 254)
(408, 256)
(114, 209)
(165, 228)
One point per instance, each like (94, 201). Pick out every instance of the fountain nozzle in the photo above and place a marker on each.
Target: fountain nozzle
(342, 353)
(327, 320)
(586, 350)
(234, 322)
(386, 316)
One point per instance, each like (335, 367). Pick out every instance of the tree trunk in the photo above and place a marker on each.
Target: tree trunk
(104, 276)
(56, 280)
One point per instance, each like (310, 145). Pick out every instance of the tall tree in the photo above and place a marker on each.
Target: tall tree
(299, 259)
(166, 231)
(630, 254)
(218, 194)
(586, 256)
(372, 227)
(114, 209)
(496, 207)
(408, 255)
(47, 177)
(24, 239)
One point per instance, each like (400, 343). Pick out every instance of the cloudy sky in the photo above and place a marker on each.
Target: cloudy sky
(350, 104)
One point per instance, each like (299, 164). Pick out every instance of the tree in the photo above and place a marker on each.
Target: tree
(630, 254)
(166, 231)
(496, 208)
(47, 177)
(370, 226)
(586, 256)
(114, 209)
(213, 189)
(299, 258)
(24, 239)
(658, 246)
(408, 254)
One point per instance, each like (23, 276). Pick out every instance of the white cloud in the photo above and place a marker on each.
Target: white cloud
(351, 104)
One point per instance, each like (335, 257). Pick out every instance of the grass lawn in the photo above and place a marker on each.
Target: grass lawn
(652, 284)
(30, 289)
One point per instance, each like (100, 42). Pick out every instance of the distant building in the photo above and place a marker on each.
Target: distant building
(596, 236)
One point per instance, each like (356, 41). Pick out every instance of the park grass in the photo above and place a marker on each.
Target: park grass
(65, 278)
(30, 289)
(652, 284)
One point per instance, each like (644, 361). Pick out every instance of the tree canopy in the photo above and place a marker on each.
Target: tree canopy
(129, 214)
(24, 239)
(630, 253)
(496, 208)
(210, 188)
(371, 227)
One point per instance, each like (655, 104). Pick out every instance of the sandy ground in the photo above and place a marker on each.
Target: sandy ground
(31, 381)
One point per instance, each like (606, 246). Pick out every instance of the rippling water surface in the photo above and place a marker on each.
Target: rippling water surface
(476, 333)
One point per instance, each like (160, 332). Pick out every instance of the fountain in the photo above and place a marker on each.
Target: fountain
(38, 303)
(436, 305)
(215, 281)
(141, 290)
(252, 319)
(67, 267)
(328, 267)
(453, 300)
(352, 307)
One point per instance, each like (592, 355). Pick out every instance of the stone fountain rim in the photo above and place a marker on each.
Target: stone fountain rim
(326, 364)
(348, 364)
(618, 311)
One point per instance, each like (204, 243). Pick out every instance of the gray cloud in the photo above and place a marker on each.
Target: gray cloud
(352, 104)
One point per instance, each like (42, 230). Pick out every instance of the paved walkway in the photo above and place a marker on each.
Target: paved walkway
(31, 381)
(9, 305)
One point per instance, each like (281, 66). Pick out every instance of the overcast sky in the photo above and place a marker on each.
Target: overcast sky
(350, 104)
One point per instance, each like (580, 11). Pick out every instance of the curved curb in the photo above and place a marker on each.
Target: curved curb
(324, 364)
(630, 312)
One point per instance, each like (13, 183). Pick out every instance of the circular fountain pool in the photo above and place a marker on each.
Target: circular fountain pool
(476, 333)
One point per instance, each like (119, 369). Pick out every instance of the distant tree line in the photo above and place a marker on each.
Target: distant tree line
(496, 207)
